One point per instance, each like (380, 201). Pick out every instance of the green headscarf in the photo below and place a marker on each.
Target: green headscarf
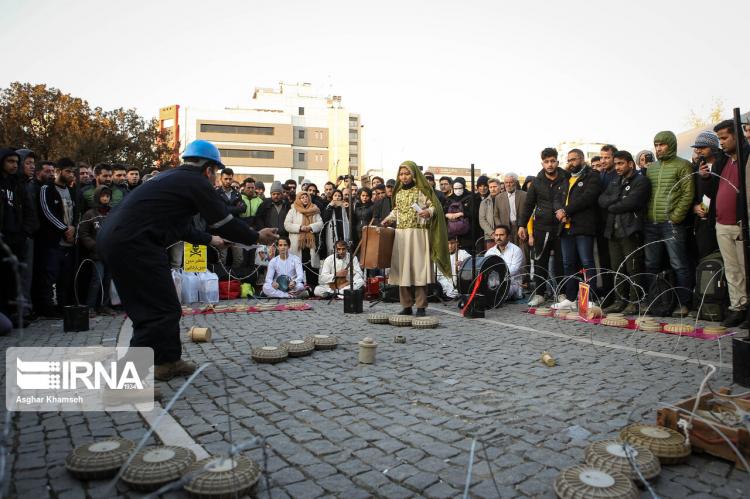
(438, 232)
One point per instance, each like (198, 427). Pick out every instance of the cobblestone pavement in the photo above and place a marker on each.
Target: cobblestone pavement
(402, 427)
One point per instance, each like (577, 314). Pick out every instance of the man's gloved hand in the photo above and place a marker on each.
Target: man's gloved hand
(268, 236)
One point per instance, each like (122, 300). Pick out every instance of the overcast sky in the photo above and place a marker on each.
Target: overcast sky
(442, 83)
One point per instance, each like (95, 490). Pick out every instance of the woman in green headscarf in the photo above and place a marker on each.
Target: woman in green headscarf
(421, 238)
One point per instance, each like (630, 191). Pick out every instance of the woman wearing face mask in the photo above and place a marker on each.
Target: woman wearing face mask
(458, 214)
(421, 238)
(303, 223)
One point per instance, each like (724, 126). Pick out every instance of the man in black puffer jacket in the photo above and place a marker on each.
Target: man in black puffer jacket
(577, 209)
(545, 236)
(625, 202)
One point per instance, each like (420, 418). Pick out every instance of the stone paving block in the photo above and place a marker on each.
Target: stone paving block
(303, 490)
(441, 491)
(421, 481)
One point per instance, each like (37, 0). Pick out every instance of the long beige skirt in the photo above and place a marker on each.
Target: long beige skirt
(410, 260)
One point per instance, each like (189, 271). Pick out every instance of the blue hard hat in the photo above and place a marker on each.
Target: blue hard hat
(203, 149)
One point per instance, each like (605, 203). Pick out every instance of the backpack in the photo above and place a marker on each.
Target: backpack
(710, 287)
(457, 227)
(661, 298)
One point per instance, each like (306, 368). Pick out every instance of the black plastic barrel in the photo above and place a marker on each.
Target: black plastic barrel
(353, 301)
(75, 318)
(741, 361)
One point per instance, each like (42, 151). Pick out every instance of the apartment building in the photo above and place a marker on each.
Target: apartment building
(289, 132)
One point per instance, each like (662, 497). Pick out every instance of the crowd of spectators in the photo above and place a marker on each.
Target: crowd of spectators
(615, 221)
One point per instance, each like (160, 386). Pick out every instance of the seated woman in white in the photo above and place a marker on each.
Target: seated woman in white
(334, 275)
(292, 285)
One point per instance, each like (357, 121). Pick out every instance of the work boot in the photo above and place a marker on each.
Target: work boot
(405, 311)
(421, 312)
(681, 312)
(631, 309)
(735, 318)
(169, 370)
(616, 307)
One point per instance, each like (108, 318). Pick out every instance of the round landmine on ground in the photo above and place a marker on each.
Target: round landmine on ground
(200, 334)
(587, 481)
(678, 328)
(609, 455)
(427, 322)
(665, 443)
(543, 312)
(571, 316)
(399, 339)
(266, 307)
(156, 466)
(323, 341)
(648, 325)
(99, 459)
(378, 318)
(295, 303)
(714, 330)
(222, 477)
(400, 320)
(615, 321)
(615, 314)
(299, 348)
(224, 308)
(269, 355)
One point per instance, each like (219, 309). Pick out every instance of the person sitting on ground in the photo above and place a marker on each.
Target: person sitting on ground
(457, 256)
(334, 274)
(513, 257)
(284, 277)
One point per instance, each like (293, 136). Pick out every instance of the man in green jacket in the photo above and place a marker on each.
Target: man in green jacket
(672, 188)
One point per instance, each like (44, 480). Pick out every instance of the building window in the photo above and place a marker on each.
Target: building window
(237, 129)
(300, 134)
(301, 157)
(301, 111)
(246, 153)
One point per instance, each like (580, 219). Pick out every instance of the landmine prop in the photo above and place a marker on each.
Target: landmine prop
(200, 334)
(295, 303)
(399, 339)
(223, 477)
(299, 348)
(665, 443)
(377, 318)
(723, 415)
(570, 316)
(615, 314)
(156, 466)
(594, 312)
(678, 328)
(265, 307)
(548, 360)
(400, 320)
(648, 325)
(609, 455)
(586, 481)
(543, 312)
(269, 355)
(614, 321)
(97, 460)
(367, 351)
(323, 341)
(714, 330)
(428, 322)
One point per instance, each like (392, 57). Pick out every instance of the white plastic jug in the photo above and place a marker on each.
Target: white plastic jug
(209, 289)
(191, 285)
(177, 279)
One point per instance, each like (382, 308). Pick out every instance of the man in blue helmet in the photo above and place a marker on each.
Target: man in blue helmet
(134, 239)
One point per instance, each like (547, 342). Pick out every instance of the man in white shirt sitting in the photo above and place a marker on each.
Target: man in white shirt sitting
(284, 277)
(513, 257)
(334, 274)
(457, 259)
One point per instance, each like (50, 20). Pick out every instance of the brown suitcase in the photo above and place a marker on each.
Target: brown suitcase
(377, 246)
